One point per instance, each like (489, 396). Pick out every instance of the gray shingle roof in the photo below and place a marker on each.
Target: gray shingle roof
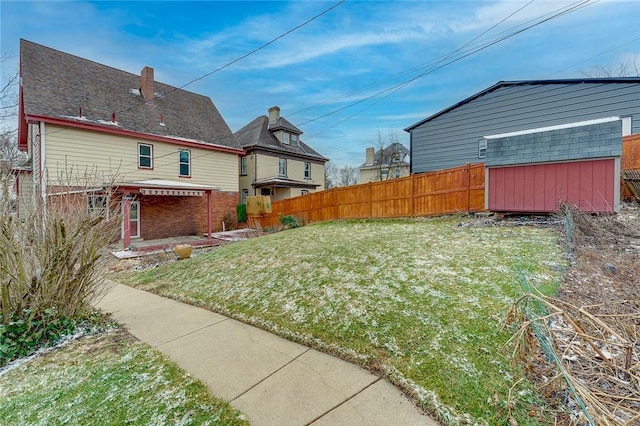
(257, 135)
(284, 124)
(58, 85)
(387, 153)
(500, 84)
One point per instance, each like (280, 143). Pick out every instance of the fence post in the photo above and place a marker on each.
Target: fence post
(468, 188)
(413, 195)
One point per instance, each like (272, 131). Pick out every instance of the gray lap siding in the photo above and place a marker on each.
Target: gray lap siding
(451, 138)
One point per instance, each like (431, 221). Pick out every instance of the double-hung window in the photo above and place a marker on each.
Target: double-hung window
(285, 138)
(307, 170)
(282, 167)
(294, 139)
(482, 148)
(243, 166)
(145, 156)
(97, 205)
(184, 158)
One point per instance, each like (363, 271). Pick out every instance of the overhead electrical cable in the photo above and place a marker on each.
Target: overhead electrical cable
(395, 88)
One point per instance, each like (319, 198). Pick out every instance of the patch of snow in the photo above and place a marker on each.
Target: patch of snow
(64, 341)
(135, 92)
(108, 122)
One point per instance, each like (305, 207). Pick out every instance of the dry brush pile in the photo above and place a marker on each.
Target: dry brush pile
(583, 347)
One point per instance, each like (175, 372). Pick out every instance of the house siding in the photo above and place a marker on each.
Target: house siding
(106, 153)
(451, 139)
(590, 141)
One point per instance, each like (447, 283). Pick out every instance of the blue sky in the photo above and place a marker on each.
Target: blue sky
(324, 75)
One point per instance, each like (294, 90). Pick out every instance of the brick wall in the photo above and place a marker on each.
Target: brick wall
(576, 143)
(163, 217)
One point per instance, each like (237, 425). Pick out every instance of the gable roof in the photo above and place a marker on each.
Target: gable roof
(259, 135)
(502, 84)
(69, 90)
(384, 156)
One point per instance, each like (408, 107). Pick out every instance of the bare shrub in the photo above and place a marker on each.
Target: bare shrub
(51, 253)
(582, 348)
(230, 220)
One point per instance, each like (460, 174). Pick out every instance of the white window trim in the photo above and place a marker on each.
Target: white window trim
(281, 162)
(285, 138)
(102, 210)
(150, 156)
(482, 148)
(307, 170)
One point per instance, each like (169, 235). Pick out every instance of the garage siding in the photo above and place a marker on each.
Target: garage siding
(450, 138)
(590, 185)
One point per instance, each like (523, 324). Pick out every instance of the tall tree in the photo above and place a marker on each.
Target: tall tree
(330, 175)
(8, 115)
(348, 175)
(626, 68)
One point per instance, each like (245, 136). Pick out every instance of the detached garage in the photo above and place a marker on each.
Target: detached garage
(541, 141)
(534, 170)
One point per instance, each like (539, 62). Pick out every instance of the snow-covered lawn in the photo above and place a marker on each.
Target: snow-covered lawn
(107, 379)
(422, 301)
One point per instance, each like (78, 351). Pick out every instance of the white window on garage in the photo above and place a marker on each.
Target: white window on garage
(482, 148)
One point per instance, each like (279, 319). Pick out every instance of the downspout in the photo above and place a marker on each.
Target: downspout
(255, 172)
(43, 175)
(126, 212)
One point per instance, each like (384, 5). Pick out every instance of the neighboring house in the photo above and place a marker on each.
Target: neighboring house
(277, 163)
(542, 141)
(174, 158)
(389, 163)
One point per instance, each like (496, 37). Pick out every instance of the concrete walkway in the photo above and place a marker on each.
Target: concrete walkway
(271, 380)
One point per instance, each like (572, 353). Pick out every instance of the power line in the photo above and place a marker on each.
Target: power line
(393, 89)
(297, 27)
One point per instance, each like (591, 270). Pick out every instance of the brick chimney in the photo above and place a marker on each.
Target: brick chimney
(369, 156)
(146, 84)
(274, 114)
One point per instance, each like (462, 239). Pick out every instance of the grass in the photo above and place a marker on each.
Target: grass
(421, 301)
(107, 379)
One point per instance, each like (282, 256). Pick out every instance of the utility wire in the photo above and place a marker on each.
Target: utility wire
(395, 88)
(413, 69)
(297, 27)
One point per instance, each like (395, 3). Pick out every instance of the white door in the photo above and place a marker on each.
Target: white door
(134, 219)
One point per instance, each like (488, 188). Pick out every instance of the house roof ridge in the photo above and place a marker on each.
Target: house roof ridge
(57, 84)
(507, 83)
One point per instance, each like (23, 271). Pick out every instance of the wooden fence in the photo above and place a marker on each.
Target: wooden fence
(460, 189)
(630, 152)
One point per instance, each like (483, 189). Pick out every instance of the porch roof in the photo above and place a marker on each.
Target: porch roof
(165, 187)
(282, 182)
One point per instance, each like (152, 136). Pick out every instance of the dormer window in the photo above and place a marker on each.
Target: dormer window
(285, 138)
(294, 139)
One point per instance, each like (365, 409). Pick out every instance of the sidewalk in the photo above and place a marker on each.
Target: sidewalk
(271, 380)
